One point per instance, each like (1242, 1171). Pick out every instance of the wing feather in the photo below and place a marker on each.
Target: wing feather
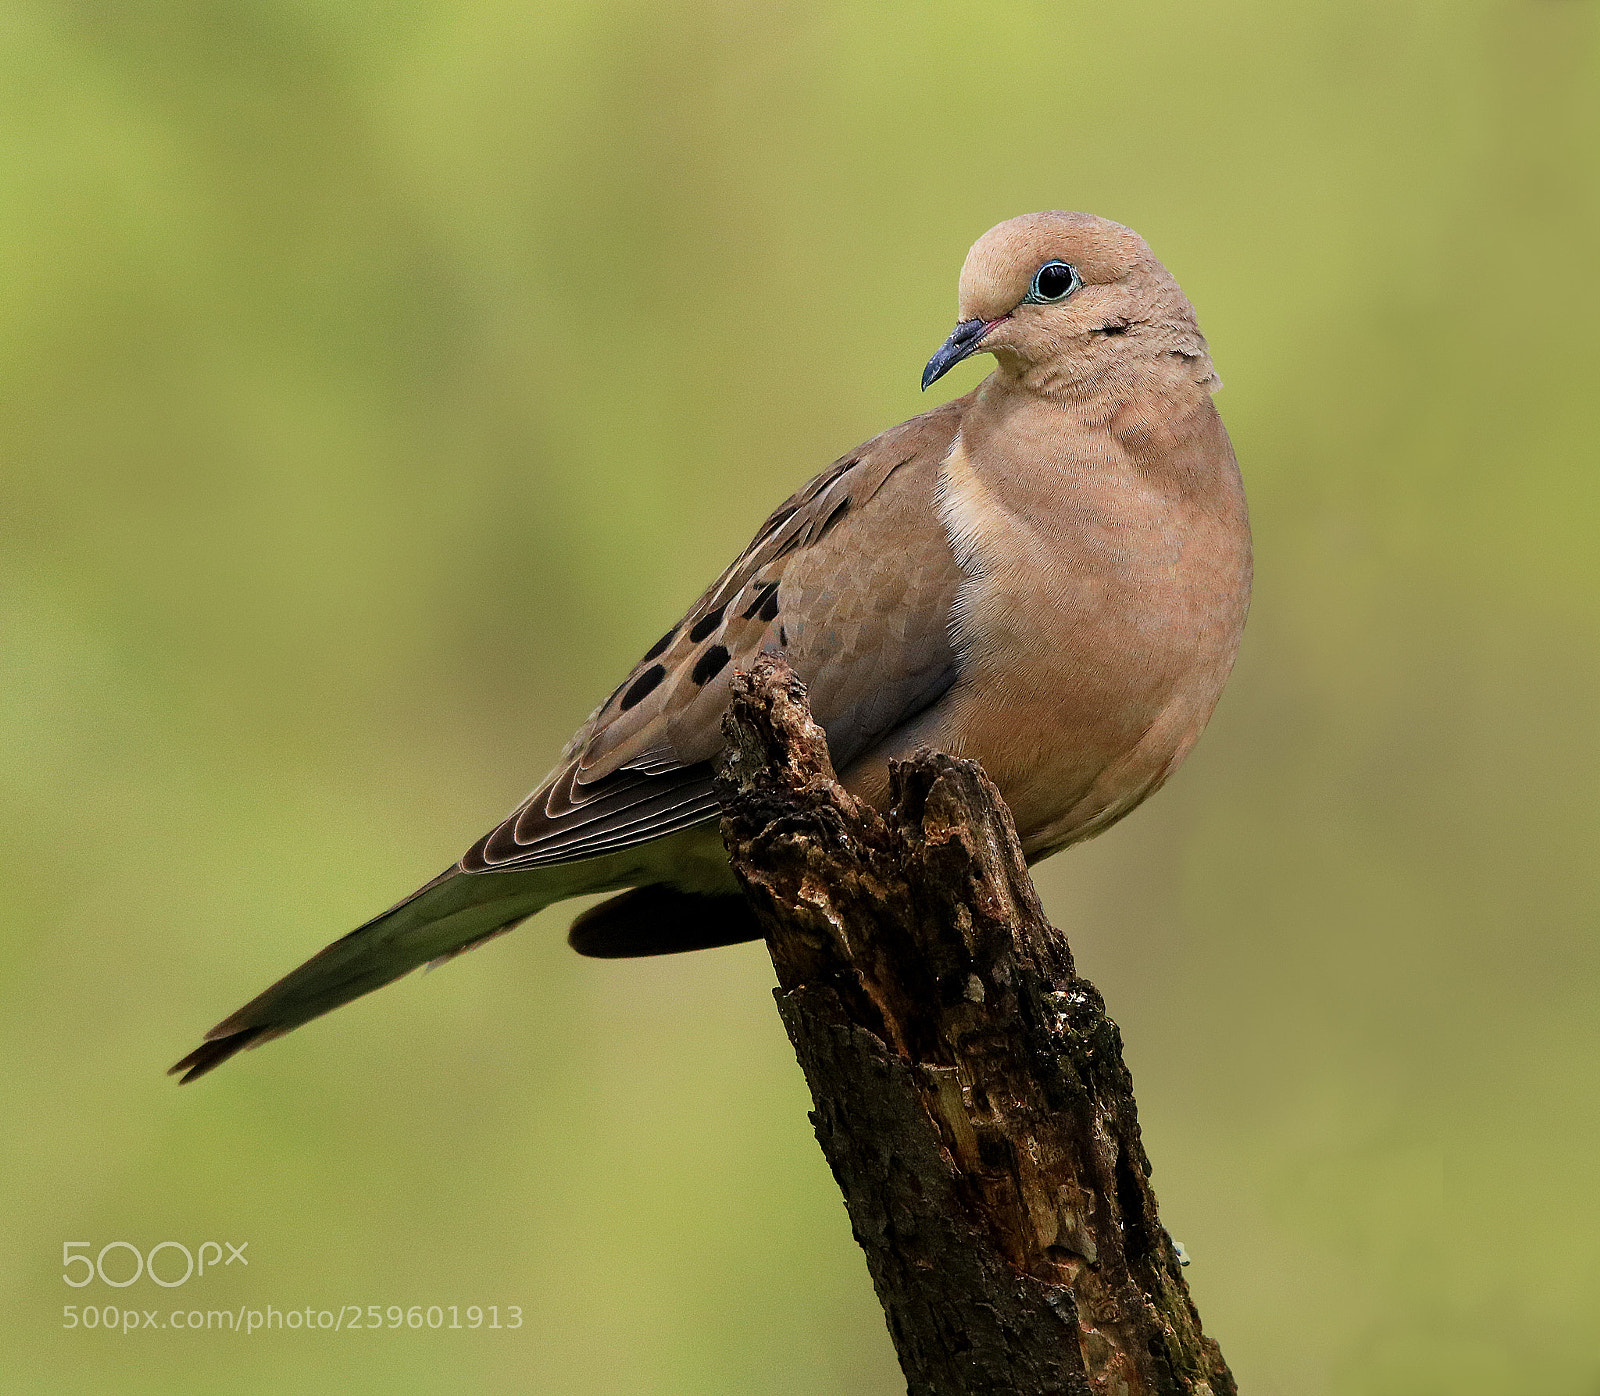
(858, 599)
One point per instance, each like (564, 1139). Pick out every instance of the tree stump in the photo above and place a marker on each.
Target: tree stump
(971, 1097)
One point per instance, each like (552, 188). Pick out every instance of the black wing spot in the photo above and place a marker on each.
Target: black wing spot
(710, 664)
(768, 592)
(783, 636)
(769, 607)
(707, 623)
(643, 685)
(839, 511)
(660, 645)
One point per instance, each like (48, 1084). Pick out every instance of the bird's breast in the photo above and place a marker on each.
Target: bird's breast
(1097, 621)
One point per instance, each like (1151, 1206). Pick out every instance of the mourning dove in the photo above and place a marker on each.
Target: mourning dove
(1048, 575)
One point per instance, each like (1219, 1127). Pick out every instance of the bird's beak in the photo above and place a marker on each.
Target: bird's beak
(964, 340)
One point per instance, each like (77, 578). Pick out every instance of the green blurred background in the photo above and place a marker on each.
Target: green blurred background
(378, 380)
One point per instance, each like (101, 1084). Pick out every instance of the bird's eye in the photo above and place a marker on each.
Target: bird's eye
(1053, 282)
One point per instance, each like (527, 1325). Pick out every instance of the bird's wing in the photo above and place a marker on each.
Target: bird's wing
(851, 579)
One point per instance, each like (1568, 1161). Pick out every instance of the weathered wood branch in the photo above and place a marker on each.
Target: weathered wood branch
(970, 1092)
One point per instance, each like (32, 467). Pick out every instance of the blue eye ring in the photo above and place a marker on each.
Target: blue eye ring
(1050, 287)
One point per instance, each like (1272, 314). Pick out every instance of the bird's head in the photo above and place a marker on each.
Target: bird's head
(1065, 301)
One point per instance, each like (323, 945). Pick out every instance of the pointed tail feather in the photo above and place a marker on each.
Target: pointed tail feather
(450, 914)
(211, 1053)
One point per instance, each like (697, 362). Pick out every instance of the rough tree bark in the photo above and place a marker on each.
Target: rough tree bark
(970, 1092)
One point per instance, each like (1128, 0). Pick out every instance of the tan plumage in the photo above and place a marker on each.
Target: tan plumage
(1049, 575)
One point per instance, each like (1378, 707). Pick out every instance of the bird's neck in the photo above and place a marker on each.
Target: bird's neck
(1174, 386)
(1154, 420)
(1102, 370)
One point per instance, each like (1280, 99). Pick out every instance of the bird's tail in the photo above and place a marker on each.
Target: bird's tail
(452, 913)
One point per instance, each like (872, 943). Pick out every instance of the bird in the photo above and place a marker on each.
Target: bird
(1048, 574)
